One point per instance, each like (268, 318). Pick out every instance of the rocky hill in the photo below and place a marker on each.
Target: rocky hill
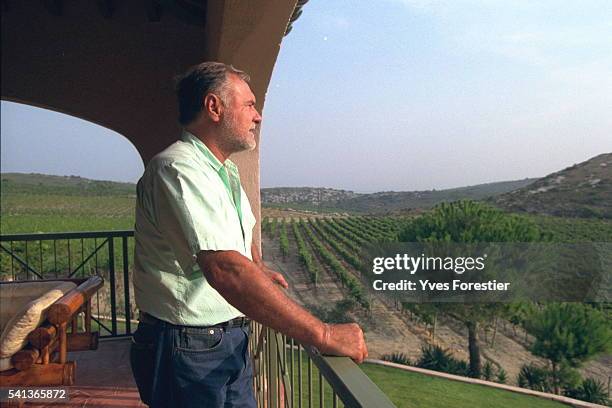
(304, 195)
(382, 202)
(582, 190)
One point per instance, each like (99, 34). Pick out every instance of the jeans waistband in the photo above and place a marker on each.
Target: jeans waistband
(237, 322)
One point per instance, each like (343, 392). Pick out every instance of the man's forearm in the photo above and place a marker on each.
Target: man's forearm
(245, 286)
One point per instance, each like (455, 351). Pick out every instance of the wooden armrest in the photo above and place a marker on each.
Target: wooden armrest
(64, 308)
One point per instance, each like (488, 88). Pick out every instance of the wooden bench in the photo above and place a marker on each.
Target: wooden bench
(43, 359)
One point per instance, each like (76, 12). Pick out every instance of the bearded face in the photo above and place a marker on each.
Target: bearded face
(240, 117)
(238, 135)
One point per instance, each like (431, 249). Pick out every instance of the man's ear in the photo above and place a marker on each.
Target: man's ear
(213, 107)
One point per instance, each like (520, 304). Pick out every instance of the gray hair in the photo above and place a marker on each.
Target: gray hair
(199, 80)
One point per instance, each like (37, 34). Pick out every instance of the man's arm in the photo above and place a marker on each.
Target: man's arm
(272, 274)
(245, 286)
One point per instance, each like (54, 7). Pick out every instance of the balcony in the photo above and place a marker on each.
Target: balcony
(287, 374)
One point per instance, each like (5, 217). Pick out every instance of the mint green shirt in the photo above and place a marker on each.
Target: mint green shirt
(187, 201)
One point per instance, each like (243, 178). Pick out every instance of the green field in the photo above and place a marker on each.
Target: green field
(410, 390)
(51, 204)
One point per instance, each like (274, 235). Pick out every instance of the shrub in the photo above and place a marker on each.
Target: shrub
(590, 390)
(535, 378)
(458, 367)
(399, 358)
(438, 359)
(487, 371)
(502, 376)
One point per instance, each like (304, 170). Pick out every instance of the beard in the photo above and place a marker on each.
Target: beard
(234, 139)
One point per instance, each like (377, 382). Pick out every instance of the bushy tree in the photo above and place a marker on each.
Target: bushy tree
(470, 222)
(569, 334)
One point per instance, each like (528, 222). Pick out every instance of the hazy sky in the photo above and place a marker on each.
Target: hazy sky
(397, 95)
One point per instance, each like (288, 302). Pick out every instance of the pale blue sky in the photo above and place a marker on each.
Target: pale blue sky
(398, 95)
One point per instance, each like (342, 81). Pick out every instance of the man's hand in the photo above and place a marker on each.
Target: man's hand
(344, 340)
(276, 277)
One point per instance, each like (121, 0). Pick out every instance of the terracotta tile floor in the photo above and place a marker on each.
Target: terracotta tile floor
(103, 378)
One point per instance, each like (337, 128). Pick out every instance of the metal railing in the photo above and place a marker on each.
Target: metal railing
(73, 255)
(286, 374)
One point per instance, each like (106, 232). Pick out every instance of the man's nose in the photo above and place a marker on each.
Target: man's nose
(257, 118)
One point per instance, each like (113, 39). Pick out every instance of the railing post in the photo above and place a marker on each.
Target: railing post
(273, 378)
(111, 269)
(126, 286)
(27, 261)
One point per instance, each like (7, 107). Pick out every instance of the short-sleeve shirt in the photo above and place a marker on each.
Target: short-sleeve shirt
(187, 202)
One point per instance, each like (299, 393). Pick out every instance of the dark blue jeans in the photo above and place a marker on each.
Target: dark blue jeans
(177, 366)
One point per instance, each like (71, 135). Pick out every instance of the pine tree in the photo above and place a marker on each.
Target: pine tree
(569, 334)
(470, 222)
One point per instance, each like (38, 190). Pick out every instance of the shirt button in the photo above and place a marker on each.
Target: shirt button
(211, 331)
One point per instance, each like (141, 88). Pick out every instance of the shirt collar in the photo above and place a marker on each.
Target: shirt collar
(205, 152)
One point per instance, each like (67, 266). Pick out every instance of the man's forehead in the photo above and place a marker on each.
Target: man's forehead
(241, 87)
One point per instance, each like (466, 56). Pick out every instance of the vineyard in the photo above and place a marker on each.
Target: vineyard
(332, 244)
(321, 259)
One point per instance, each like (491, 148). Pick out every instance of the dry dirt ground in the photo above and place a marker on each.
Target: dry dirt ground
(387, 330)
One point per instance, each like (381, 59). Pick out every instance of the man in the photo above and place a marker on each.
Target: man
(197, 273)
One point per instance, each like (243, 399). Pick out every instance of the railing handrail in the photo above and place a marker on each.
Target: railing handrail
(66, 235)
(348, 380)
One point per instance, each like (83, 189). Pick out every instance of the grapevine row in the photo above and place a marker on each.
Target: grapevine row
(342, 222)
(363, 225)
(355, 288)
(339, 248)
(265, 225)
(273, 226)
(388, 232)
(339, 236)
(342, 231)
(283, 240)
(305, 256)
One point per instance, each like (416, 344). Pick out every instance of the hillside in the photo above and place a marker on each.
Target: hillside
(304, 198)
(382, 202)
(582, 190)
(33, 183)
